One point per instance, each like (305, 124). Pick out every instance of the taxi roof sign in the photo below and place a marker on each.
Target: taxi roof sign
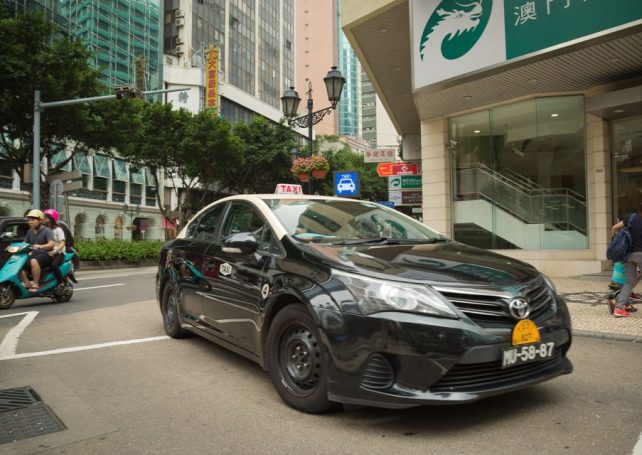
(288, 188)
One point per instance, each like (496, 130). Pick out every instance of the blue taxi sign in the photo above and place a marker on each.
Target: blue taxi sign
(346, 183)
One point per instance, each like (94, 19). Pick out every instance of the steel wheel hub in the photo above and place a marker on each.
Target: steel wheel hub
(301, 357)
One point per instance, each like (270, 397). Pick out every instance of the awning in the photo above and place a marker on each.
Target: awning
(101, 166)
(120, 171)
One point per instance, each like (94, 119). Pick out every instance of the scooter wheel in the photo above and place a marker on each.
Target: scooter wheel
(7, 297)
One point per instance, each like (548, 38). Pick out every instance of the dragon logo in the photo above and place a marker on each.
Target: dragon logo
(456, 26)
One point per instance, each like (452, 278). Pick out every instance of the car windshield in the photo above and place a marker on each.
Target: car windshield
(343, 221)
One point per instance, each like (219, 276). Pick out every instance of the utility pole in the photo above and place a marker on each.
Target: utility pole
(38, 106)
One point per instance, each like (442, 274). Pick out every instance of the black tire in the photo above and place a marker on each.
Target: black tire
(297, 361)
(66, 297)
(7, 296)
(170, 311)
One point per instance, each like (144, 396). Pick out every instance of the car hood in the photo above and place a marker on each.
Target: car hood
(445, 263)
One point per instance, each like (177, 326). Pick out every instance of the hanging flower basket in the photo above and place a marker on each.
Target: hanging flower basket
(316, 165)
(318, 173)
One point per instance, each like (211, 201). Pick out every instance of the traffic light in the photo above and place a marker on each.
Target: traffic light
(126, 91)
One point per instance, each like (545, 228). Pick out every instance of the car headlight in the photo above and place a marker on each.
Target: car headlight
(372, 295)
(549, 283)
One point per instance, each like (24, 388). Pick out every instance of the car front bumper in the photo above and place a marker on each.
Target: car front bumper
(400, 360)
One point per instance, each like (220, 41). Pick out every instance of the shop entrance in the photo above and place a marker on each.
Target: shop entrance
(626, 147)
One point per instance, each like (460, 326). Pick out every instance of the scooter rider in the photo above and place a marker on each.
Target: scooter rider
(41, 239)
(58, 251)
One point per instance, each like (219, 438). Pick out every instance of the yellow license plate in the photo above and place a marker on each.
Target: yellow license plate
(525, 332)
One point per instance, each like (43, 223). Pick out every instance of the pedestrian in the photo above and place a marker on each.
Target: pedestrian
(41, 240)
(622, 306)
(58, 251)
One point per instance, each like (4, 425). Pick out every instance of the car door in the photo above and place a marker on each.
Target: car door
(11, 232)
(239, 283)
(186, 263)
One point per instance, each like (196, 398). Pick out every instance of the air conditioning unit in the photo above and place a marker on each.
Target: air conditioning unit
(180, 22)
(178, 13)
(179, 40)
(178, 50)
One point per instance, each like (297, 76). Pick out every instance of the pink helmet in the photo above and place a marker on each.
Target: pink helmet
(53, 214)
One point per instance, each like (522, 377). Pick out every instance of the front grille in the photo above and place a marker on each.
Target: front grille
(378, 373)
(492, 307)
(483, 376)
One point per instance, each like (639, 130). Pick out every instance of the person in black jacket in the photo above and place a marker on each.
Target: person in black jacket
(632, 264)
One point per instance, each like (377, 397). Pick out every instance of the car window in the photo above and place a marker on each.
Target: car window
(331, 220)
(191, 229)
(14, 231)
(209, 221)
(242, 218)
(269, 243)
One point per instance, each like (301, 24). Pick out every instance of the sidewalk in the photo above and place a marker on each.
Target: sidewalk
(586, 299)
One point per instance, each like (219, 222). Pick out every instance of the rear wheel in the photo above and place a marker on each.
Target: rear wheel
(7, 296)
(297, 361)
(169, 308)
(63, 292)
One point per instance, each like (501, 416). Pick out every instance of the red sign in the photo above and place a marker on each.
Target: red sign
(388, 169)
(211, 78)
(287, 188)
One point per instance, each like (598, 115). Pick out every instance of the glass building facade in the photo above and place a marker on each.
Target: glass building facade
(122, 34)
(349, 105)
(519, 175)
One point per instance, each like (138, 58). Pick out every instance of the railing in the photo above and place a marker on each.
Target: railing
(525, 200)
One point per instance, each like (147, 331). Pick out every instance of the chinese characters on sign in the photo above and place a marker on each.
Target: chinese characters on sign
(379, 156)
(528, 11)
(211, 78)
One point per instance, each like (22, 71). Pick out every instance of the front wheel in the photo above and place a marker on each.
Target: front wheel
(297, 361)
(7, 296)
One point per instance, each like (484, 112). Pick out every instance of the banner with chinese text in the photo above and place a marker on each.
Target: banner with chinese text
(211, 77)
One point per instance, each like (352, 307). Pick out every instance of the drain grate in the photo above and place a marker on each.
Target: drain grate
(20, 397)
(24, 415)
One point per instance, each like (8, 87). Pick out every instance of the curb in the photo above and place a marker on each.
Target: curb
(106, 265)
(608, 336)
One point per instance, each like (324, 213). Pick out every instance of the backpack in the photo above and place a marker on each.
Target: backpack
(621, 244)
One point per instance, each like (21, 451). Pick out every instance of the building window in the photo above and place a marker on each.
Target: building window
(119, 183)
(136, 182)
(519, 175)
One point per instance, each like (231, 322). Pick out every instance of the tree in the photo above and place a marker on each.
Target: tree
(264, 159)
(195, 150)
(34, 56)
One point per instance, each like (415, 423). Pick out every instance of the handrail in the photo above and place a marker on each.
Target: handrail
(534, 206)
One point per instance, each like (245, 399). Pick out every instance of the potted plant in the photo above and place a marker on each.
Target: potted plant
(301, 169)
(319, 166)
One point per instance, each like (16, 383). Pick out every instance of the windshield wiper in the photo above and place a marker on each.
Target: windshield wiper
(366, 240)
(387, 241)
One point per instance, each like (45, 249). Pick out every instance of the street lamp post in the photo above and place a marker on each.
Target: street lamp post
(290, 100)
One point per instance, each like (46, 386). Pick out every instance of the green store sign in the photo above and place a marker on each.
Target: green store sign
(453, 37)
(404, 182)
(538, 24)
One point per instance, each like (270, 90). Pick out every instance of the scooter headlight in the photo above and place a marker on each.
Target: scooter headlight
(13, 249)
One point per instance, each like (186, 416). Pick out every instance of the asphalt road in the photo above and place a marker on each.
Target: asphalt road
(102, 363)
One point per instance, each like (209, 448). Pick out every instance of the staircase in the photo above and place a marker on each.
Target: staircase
(520, 211)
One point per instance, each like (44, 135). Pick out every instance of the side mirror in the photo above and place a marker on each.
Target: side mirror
(241, 243)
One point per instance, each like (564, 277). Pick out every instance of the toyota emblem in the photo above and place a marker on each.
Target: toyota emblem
(519, 308)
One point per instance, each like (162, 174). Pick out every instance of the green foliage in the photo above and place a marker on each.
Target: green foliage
(118, 250)
(264, 158)
(195, 149)
(34, 57)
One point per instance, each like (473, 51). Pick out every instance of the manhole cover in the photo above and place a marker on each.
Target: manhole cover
(24, 415)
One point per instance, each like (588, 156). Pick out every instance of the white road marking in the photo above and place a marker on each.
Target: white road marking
(10, 341)
(97, 287)
(115, 274)
(637, 450)
(81, 348)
